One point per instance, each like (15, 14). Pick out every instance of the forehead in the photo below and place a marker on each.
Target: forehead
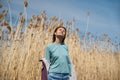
(61, 28)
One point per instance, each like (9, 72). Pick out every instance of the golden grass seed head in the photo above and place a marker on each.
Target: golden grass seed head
(25, 3)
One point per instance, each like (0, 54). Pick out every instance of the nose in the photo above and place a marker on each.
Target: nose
(62, 31)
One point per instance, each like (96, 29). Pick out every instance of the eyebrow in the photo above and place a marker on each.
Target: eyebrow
(62, 28)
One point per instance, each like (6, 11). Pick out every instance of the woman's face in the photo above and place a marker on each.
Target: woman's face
(60, 32)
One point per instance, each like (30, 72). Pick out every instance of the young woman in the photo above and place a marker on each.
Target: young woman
(57, 55)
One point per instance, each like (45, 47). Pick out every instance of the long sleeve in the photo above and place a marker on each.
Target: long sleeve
(70, 66)
(70, 63)
(47, 54)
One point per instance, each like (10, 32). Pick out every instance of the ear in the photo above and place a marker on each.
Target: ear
(55, 33)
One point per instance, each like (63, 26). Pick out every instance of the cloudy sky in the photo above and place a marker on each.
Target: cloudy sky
(104, 18)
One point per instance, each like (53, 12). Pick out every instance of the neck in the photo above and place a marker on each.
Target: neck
(58, 40)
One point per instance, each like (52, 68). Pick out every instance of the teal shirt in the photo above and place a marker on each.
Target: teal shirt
(58, 56)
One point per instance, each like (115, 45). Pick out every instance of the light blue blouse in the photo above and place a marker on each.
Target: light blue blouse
(58, 56)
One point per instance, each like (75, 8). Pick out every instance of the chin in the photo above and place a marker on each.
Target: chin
(61, 35)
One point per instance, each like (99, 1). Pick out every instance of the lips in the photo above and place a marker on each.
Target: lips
(61, 34)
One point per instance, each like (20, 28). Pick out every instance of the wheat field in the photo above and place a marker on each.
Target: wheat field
(25, 45)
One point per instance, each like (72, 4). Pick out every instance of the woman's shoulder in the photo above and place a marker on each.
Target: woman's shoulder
(50, 45)
(65, 46)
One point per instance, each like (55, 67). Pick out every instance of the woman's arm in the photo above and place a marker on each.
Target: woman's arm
(47, 58)
(47, 55)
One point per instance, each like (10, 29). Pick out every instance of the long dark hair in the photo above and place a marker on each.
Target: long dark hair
(54, 36)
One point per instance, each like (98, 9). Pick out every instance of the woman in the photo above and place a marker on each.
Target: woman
(58, 57)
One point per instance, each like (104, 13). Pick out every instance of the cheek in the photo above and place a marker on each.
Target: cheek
(58, 32)
(64, 33)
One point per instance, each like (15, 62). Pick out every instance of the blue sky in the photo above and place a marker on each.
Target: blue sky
(104, 18)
